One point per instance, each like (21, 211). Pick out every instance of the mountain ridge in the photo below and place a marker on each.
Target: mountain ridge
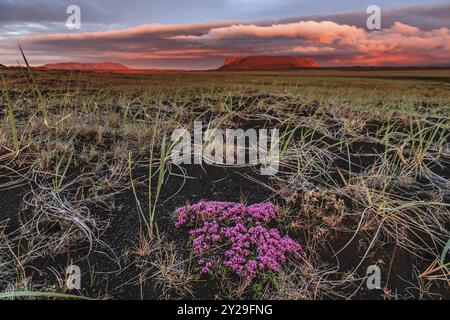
(101, 66)
(264, 62)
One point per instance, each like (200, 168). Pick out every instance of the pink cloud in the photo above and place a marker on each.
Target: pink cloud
(324, 32)
(399, 44)
(312, 50)
(208, 43)
(156, 28)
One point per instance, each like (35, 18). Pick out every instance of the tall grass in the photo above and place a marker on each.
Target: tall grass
(59, 178)
(445, 252)
(162, 161)
(318, 147)
(162, 168)
(12, 120)
(133, 188)
(37, 92)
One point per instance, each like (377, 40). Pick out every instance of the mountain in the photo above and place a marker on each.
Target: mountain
(99, 67)
(103, 67)
(2, 66)
(267, 63)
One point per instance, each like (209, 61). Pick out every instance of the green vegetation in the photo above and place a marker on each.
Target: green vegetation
(87, 178)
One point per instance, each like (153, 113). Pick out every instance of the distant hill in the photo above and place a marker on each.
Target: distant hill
(103, 66)
(2, 66)
(267, 63)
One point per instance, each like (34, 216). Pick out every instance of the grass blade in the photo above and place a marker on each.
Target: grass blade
(445, 251)
(35, 88)
(37, 294)
(12, 120)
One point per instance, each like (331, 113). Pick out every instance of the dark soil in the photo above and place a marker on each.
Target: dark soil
(113, 273)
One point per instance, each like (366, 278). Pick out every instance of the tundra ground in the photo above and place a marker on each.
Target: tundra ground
(86, 179)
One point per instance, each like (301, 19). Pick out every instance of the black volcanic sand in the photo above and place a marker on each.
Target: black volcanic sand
(116, 275)
(203, 183)
(200, 183)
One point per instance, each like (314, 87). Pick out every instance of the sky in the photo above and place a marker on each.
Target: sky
(200, 34)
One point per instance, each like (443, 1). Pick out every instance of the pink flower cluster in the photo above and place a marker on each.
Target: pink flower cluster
(237, 236)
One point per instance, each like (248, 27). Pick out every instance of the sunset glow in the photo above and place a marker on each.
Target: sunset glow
(407, 38)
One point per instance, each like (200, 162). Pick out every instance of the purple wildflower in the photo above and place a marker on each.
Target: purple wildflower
(250, 246)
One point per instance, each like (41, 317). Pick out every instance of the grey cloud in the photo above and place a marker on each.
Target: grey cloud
(427, 17)
(154, 46)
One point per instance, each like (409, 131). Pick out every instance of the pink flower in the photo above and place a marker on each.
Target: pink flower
(248, 245)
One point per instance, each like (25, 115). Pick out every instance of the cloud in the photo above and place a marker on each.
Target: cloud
(142, 46)
(324, 32)
(313, 50)
(205, 45)
(426, 16)
(399, 44)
